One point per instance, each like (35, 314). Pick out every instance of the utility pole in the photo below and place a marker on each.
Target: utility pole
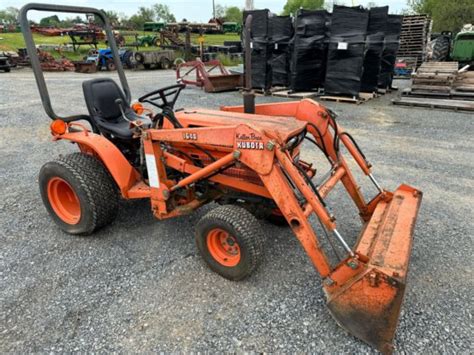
(249, 5)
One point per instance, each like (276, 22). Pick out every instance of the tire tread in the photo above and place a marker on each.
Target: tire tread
(94, 179)
(248, 228)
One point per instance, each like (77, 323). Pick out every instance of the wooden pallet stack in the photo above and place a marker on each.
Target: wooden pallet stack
(435, 78)
(464, 84)
(440, 85)
(414, 38)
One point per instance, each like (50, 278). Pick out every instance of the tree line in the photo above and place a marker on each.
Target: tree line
(447, 15)
(154, 13)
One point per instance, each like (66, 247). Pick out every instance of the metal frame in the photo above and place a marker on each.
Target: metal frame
(35, 63)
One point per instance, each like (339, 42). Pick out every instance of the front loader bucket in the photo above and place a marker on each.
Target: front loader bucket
(224, 82)
(368, 304)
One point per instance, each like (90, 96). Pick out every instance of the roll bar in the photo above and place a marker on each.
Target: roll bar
(35, 63)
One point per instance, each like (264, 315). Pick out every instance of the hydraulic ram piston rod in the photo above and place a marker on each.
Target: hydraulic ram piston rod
(343, 242)
(375, 183)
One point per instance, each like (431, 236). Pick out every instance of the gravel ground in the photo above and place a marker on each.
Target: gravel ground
(139, 285)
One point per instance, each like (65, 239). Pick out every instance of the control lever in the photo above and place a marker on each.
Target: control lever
(119, 103)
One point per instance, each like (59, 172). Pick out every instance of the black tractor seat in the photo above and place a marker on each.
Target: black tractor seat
(101, 95)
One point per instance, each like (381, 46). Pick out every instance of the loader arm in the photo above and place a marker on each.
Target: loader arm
(365, 289)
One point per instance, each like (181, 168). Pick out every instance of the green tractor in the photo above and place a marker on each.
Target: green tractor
(231, 27)
(153, 26)
(460, 49)
(148, 41)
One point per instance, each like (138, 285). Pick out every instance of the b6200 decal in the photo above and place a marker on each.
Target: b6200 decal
(190, 136)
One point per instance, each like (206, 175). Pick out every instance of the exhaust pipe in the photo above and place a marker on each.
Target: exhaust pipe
(248, 94)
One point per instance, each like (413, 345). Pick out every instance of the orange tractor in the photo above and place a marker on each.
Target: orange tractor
(250, 164)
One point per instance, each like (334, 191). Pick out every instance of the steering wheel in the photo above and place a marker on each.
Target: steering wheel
(159, 98)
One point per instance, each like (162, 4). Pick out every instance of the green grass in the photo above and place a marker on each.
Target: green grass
(216, 39)
(13, 41)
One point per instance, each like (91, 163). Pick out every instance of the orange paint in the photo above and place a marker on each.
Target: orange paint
(64, 201)
(223, 247)
(124, 175)
(249, 154)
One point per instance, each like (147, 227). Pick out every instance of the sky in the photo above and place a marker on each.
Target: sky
(192, 10)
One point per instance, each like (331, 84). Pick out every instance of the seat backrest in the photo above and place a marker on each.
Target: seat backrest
(100, 95)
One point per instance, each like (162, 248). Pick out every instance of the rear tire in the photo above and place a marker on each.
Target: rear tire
(128, 59)
(230, 241)
(140, 58)
(165, 63)
(441, 49)
(78, 193)
(110, 65)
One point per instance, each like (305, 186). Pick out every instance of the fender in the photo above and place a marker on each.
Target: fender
(124, 174)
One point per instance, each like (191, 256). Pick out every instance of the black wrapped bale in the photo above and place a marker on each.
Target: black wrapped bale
(280, 29)
(346, 50)
(280, 65)
(309, 50)
(260, 23)
(389, 55)
(261, 69)
(261, 48)
(345, 61)
(349, 21)
(281, 32)
(374, 48)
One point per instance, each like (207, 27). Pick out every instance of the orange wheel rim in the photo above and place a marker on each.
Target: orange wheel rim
(223, 247)
(64, 200)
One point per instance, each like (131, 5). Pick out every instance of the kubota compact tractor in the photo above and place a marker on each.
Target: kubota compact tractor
(250, 164)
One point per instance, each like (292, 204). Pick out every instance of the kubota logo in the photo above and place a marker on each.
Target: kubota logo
(250, 145)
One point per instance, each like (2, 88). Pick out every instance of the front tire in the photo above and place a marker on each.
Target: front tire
(78, 193)
(230, 241)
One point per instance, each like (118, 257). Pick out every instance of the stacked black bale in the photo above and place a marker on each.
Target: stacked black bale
(346, 50)
(374, 48)
(309, 50)
(261, 48)
(281, 32)
(391, 45)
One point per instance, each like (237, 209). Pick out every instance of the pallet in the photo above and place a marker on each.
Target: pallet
(259, 92)
(414, 37)
(453, 94)
(285, 92)
(295, 95)
(456, 105)
(437, 88)
(466, 88)
(421, 93)
(363, 97)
